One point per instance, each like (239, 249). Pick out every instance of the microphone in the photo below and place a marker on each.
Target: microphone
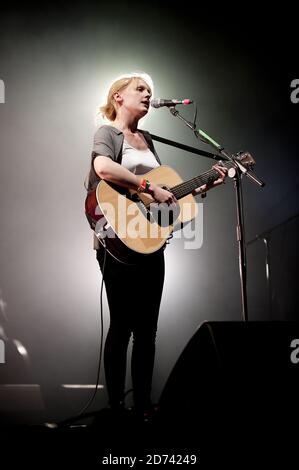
(159, 102)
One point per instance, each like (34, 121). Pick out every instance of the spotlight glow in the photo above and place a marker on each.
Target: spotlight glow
(21, 349)
(82, 386)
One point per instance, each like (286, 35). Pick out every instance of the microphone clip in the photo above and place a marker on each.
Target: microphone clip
(176, 113)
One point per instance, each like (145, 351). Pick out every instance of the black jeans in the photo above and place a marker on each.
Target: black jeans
(134, 295)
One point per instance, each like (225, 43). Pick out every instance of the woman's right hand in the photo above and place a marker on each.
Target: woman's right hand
(161, 195)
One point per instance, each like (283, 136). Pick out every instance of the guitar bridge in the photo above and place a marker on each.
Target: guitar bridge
(143, 208)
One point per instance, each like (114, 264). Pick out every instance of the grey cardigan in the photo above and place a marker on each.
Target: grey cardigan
(108, 141)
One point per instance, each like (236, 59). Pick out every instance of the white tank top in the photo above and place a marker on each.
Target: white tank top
(138, 161)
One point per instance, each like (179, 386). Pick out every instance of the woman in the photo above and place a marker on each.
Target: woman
(120, 154)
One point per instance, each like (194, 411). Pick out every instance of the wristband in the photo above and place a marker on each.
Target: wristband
(144, 186)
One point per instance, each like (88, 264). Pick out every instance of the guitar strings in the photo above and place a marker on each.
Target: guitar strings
(182, 189)
(185, 188)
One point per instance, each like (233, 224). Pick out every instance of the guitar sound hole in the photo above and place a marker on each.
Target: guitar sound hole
(165, 215)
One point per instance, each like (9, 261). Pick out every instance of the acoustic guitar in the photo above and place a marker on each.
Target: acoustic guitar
(132, 225)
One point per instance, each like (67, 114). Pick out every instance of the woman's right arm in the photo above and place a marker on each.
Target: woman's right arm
(109, 170)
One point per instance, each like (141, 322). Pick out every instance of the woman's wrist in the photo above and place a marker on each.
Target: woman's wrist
(144, 186)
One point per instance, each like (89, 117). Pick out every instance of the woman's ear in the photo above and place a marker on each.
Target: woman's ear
(117, 97)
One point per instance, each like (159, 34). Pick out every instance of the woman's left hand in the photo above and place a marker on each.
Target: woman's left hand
(221, 180)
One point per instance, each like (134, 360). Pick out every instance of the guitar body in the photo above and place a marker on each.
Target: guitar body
(132, 225)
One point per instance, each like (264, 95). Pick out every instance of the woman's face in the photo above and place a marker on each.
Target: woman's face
(135, 97)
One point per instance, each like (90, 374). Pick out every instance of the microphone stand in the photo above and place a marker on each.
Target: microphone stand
(266, 238)
(236, 172)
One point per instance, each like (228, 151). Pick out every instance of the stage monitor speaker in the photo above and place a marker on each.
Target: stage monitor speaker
(235, 370)
(232, 396)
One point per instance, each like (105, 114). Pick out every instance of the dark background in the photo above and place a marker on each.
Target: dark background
(56, 62)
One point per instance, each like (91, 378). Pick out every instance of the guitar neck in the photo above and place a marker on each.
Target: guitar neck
(187, 187)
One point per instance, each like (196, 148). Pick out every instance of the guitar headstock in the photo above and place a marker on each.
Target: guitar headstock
(246, 159)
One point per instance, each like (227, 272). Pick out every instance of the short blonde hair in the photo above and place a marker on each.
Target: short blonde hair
(108, 110)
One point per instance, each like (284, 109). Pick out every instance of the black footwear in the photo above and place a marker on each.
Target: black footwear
(146, 415)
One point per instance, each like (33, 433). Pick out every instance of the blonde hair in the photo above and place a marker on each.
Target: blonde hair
(108, 110)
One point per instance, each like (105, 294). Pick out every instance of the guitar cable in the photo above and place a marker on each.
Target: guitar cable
(91, 399)
(101, 336)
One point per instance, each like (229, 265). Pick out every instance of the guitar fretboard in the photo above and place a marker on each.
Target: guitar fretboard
(185, 188)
